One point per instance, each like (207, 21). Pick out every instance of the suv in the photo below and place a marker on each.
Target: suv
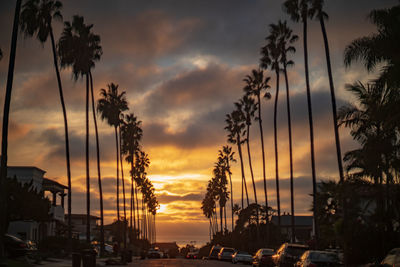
(288, 254)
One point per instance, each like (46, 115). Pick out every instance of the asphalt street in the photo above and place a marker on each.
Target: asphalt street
(181, 263)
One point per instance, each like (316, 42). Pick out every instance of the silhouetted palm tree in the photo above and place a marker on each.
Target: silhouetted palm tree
(220, 188)
(255, 84)
(36, 19)
(298, 10)
(248, 107)
(80, 48)
(235, 127)
(321, 15)
(286, 39)
(122, 174)
(1, 54)
(226, 155)
(380, 47)
(271, 58)
(111, 105)
(131, 135)
(6, 115)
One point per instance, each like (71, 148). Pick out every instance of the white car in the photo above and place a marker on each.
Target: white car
(242, 256)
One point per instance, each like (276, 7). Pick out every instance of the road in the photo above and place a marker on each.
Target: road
(181, 263)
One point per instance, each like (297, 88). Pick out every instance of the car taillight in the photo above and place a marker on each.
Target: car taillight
(195, 256)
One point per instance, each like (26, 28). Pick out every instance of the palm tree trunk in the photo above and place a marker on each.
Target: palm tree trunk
(67, 157)
(251, 170)
(98, 168)
(117, 150)
(333, 100)
(123, 182)
(310, 120)
(262, 149)
(230, 181)
(221, 217)
(133, 211)
(293, 237)
(87, 163)
(137, 210)
(242, 168)
(6, 114)
(278, 201)
(226, 227)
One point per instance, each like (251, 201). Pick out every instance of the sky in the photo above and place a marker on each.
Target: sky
(182, 65)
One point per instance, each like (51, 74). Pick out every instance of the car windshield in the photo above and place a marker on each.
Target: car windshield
(228, 250)
(326, 257)
(296, 251)
(268, 252)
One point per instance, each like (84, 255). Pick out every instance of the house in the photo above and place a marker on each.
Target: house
(79, 225)
(303, 226)
(29, 229)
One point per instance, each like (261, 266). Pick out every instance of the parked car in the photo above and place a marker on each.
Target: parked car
(15, 247)
(225, 254)
(154, 253)
(288, 254)
(263, 258)
(316, 258)
(392, 258)
(242, 256)
(214, 253)
(192, 255)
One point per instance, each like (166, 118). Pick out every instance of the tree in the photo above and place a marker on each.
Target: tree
(318, 13)
(80, 48)
(131, 135)
(6, 115)
(248, 107)
(226, 156)
(235, 127)
(111, 105)
(36, 19)
(379, 50)
(1, 54)
(271, 58)
(299, 11)
(255, 85)
(286, 39)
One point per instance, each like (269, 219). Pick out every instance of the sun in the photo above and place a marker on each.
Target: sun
(162, 208)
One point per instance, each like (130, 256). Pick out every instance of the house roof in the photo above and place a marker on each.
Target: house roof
(298, 220)
(26, 168)
(82, 216)
(47, 183)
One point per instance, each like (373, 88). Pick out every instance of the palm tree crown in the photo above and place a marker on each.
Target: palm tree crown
(112, 104)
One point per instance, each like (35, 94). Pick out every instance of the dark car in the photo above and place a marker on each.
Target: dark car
(316, 258)
(288, 254)
(15, 247)
(392, 258)
(263, 258)
(214, 253)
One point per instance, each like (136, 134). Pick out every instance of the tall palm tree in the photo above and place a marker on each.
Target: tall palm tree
(131, 135)
(271, 58)
(235, 127)
(226, 155)
(111, 105)
(102, 245)
(321, 16)
(255, 84)
(6, 114)
(36, 19)
(122, 174)
(80, 48)
(299, 11)
(286, 39)
(247, 105)
(1, 54)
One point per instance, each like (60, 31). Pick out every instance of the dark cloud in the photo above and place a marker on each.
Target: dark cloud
(166, 198)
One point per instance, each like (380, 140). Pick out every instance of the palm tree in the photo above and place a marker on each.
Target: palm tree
(36, 19)
(380, 47)
(6, 114)
(286, 39)
(131, 135)
(226, 155)
(248, 107)
(220, 188)
(317, 9)
(255, 84)
(271, 58)
(298, 10)
(235, 127)
(80, 48)
(111, 105)
(1, 54)
(122, 174)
